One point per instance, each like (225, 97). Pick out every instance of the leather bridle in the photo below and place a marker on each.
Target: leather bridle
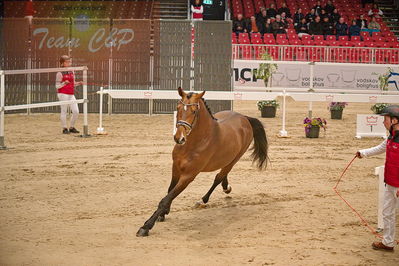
(186, 124)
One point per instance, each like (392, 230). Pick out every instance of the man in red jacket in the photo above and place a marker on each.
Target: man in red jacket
(65, 85)
(391, 175)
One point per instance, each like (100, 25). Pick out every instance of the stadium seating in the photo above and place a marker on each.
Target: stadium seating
(357, 49)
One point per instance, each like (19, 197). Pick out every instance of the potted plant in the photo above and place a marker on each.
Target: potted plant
(377, 108)
(268, 108)
(266, 70)
(313, 125)
(336, 109)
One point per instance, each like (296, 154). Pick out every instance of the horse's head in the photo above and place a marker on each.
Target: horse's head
(187, 114)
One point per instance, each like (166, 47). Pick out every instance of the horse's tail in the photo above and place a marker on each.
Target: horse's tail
(260, 146)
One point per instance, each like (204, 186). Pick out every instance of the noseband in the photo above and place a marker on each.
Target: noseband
(185, 123)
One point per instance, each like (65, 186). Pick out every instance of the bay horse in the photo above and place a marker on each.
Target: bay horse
(206, 143)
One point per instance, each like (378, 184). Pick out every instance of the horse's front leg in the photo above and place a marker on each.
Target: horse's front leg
(164, 204)
(173, 182)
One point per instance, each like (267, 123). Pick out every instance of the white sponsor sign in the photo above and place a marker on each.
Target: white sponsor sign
(370, 126)
(325, 76)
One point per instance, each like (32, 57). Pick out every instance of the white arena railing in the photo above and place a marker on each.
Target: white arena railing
(314, 53)
(307, 96)
(3, 107)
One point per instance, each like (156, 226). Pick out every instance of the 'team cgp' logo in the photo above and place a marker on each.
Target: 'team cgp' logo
(116, 38)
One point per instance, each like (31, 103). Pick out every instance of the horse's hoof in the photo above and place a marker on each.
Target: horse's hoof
(142, 232)
(161, 219)
(228, 190)
(200, 205)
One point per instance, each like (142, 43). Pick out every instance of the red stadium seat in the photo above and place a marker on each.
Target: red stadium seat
(293, 36)
(281, 36)
(377, 38)
(355, 38)
(331, 38)
(282, 41)
(256, 41)
(295, 42)
(243, 36)
(269, 41)
(342, 38)
(306, 37)
(318, 37)
(268, 36)
(364, 34)
(307, 42)
(367, 39)
(291, 31)
(256, 36)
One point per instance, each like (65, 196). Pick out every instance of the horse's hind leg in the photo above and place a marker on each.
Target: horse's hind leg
(221, 177)
(218, 179)
(226, 186)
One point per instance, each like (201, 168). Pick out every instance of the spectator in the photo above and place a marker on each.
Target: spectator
(354, 29)
(285, 9)
(261, 16)
(374, 26)
(197, 10)
(267, 27)
(253, 25)
(239, 25)
(328, 27)
(329, 8)
(375, 11)
(284, 18)
(298, 16)
(302, 28)
(318, 8)
(278, 26)
(335, 16)
(310, 16)
(315, 27)
(271, 12)
(341, 27)
(323, 15)
(361, 22)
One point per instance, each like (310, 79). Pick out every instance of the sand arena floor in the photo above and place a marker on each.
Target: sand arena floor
(65, 200)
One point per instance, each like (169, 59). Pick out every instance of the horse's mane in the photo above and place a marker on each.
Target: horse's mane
(209, 109)
(206, 105)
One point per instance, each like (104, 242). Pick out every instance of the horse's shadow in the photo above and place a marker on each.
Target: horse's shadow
(220, 217)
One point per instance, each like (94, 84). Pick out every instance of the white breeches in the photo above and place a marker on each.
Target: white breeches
(74, 108)
(388, 214)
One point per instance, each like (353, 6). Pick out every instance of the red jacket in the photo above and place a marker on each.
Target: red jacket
(391, 173)
(68, 88)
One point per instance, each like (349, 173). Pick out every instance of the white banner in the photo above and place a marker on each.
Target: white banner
(370, 126)
(361, 77)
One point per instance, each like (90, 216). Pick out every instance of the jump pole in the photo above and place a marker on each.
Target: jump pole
(2, 104)
(310, 112)
(283, 132)
(85, 120)
(100, 129)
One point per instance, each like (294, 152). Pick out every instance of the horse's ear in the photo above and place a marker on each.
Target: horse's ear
(201, 95)
(181, 92)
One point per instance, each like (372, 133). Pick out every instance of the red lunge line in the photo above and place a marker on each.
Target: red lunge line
(346, 168)
(365, 223)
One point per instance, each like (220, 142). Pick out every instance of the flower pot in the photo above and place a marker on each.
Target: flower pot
(336, 114)
(268, 111)
(313, 132)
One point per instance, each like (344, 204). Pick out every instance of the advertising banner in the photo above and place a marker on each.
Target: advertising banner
(360, 77)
